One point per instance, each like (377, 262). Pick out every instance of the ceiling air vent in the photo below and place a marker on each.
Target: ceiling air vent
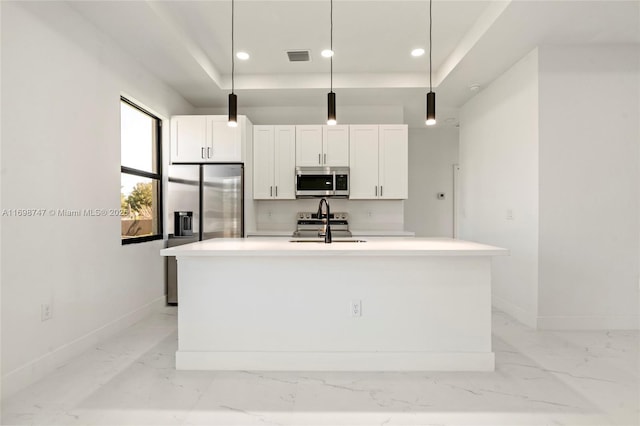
(298, 55)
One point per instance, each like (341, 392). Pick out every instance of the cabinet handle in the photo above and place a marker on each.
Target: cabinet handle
(208, 152)
(325, 159)
(319, 160)
(276, 190)
(202, 152)
(381, 190)
(376, 190)
(271, 191)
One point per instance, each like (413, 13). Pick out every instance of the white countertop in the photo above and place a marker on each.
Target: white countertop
(359, 233)
(382, 246)
(355, 233)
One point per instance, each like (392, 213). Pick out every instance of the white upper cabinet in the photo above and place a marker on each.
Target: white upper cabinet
(378, 162)
(335, 144)
(188, 138)
(318, 145)
(285, 162)
(393, 163)
(225, 141)
(309, 146)
(205, 139)
(263, 162)
(363, 168)
(274, 157)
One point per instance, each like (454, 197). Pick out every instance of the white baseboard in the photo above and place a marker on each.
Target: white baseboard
(336, 361)
(37, 369)
(527, 318)
(626, 322)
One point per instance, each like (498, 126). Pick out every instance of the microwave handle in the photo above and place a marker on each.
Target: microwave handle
(334, 183)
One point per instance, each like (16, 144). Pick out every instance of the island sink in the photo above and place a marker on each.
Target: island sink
(322, 241)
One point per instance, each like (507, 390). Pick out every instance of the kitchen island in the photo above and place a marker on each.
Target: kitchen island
(405, 304)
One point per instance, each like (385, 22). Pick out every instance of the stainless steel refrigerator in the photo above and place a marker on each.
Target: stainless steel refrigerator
(214, 193)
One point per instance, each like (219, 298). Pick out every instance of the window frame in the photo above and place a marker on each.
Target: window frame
(149, 175)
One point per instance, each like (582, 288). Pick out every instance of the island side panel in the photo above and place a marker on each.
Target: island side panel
(283, 308)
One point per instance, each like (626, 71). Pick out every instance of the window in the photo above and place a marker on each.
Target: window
(140, 174)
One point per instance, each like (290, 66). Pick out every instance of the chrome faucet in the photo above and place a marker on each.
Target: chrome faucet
(327, 229)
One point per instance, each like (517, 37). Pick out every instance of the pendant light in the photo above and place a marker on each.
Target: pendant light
(331, 97)
(233, 99)
(431, 97)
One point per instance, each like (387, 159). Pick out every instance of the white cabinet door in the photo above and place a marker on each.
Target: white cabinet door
(205, 139)
(224, 142)
(285, 162)
(335, 143)
(309, 146)
(363, 161)
(188, 135)
(263, 162)
(274, 162)
(393, 166)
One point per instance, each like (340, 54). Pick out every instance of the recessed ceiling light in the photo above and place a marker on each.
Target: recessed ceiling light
(242, 55)
(327, 53)
(417, 52)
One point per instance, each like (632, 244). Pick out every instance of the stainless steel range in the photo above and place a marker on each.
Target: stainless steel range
(308, 225)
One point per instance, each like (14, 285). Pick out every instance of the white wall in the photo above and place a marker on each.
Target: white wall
(61, 84)
(589, 136)
(555, 140)
(499, 173)
(432, 154)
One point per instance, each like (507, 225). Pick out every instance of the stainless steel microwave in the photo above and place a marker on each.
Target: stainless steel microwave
(322, 182)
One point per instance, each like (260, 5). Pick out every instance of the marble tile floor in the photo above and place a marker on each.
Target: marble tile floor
(541, 378)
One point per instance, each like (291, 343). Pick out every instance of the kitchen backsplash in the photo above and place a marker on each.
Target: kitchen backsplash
(375, 215)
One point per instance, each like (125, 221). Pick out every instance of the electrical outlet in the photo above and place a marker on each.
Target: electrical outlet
(356, 308)
(509, 214)
(45, 312)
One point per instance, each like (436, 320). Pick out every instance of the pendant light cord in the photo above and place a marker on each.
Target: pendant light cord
(233, 60)
(430, 36)
(331, 45)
